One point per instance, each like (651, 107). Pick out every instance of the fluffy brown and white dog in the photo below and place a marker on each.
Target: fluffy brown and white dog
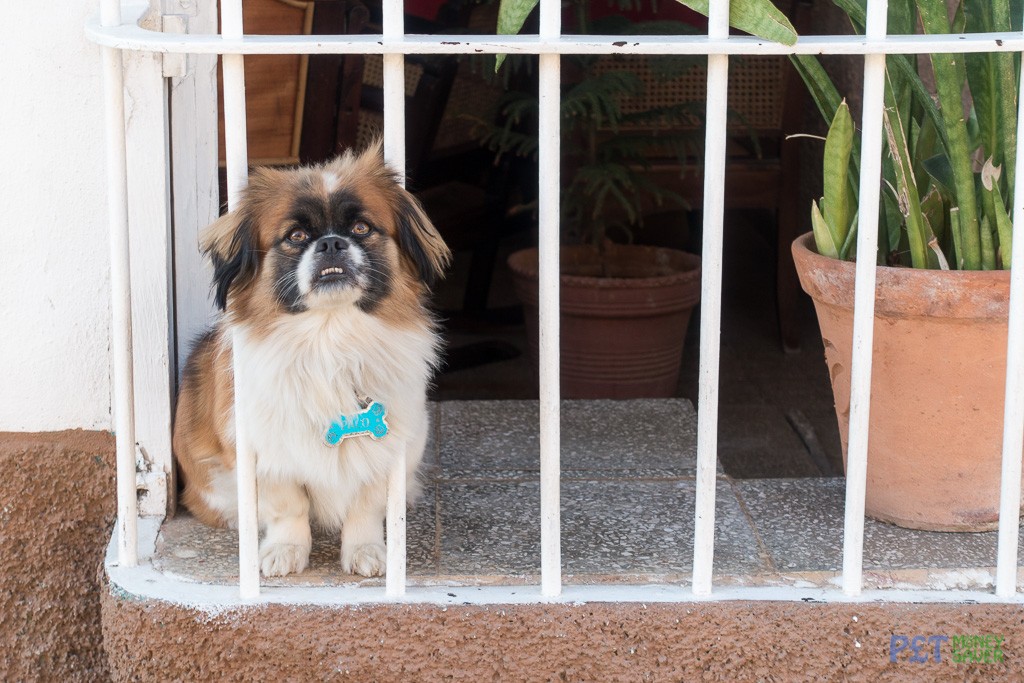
(324, 272)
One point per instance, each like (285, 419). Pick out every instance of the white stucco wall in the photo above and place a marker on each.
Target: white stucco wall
(54, 262)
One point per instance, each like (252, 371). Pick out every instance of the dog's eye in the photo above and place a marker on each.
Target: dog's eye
(360, 229)
(298, 236)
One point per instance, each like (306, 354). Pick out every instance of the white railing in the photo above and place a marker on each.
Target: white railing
(718, 45)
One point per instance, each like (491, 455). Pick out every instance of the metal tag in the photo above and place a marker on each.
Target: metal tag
(371, 422)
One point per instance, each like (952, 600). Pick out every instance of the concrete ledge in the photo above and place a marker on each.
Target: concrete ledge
(148, 640)
(56, 511)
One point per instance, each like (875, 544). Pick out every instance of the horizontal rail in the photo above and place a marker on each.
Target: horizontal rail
(130, 37)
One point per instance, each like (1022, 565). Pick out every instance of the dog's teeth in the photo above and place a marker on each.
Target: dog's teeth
(329, 271)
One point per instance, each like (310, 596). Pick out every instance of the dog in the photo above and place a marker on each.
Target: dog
(323, 274)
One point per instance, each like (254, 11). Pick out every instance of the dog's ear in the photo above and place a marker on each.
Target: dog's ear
(417, 236)
(420, 240)
(231, 244)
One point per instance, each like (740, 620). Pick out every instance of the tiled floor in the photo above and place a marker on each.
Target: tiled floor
(627, 512)
(762, 389)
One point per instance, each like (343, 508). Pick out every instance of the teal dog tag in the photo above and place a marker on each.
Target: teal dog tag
(371, 422)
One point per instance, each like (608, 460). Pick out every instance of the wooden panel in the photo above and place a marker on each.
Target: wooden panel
(150, 242)
(273, 101)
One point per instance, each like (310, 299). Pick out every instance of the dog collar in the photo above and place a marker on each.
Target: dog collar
(372, 422)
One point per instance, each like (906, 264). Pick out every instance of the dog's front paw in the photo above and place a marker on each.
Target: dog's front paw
(279, 559)
(367, 559)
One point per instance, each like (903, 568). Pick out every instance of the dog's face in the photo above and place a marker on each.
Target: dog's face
(341, 234)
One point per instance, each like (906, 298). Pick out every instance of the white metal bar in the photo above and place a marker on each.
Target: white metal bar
(1013, 409)
(393, 26)
(245, 473)
(549, 312)
(864, 303)
(120, 292)
(396, 561)
(110, 14)
(131, 37)
(235, 141)
(237, 159)
(548, 324)
(711, 303)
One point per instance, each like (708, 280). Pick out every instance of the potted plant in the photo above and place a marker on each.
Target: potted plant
(941, 309)
(625, 308)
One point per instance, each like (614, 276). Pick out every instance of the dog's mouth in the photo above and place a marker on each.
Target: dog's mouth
(331, 274)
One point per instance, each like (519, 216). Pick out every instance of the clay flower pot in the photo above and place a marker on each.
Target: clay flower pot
(622, 333)
(937, 382)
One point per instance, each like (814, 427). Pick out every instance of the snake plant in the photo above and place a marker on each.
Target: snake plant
(949, 160)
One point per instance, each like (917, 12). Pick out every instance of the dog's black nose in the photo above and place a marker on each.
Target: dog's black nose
(331, 244)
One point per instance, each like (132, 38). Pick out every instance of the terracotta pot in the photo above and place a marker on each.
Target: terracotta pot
(937, 382)
(622, 334)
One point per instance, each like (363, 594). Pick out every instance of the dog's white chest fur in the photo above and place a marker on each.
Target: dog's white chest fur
(310, 370)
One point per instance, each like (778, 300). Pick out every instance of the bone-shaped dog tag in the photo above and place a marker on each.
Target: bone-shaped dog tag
(371, 422)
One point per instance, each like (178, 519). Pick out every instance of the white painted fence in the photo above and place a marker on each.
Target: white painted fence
(117, 35)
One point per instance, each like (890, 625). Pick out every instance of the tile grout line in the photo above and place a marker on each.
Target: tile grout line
(528, 479)
(762, 548)
(437, 528)
(437, 488)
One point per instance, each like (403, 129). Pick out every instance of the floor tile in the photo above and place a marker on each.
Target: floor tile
(496, 439)
(801, 523)
(634, 529)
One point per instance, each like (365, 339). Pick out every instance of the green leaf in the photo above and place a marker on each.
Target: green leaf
(958, 237)
(822, 235)
(837, 203)
(902, 17)
(988, 246)
(757, 17)
(892, 220)
(941, 172)
(992, 78)
(851, 240)
(924, 148)
(1004, 228)
(511, 17)
(995, 209)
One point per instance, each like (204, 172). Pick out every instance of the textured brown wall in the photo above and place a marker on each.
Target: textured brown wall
(595, 642)
(56, 510)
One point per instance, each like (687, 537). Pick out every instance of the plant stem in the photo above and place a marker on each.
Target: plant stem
(908, 200)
